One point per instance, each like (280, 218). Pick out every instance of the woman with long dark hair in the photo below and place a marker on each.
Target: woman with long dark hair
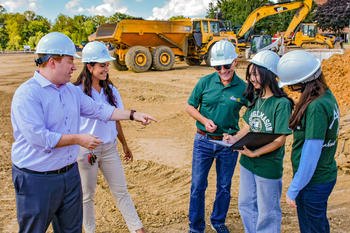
(315, 125)
(260, 185)
(94, 82)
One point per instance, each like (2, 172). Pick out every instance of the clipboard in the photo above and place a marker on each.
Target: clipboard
(251, 140)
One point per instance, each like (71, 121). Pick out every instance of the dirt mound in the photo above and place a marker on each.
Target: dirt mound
(337, 72)
(343, 150)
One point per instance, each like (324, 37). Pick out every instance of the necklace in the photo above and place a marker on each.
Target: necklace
(259, 107)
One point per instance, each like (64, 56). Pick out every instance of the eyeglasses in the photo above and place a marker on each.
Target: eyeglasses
(218, 68)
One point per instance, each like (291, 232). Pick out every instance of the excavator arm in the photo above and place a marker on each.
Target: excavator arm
(272, 9)
(298, 17)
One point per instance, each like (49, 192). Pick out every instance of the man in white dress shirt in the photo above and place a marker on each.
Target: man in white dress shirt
(45, 116)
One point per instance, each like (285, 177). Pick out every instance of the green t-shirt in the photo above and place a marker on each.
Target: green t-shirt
(320, 121)
(219, 103)
(269, 115)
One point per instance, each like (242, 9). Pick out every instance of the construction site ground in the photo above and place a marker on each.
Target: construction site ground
(159, 179)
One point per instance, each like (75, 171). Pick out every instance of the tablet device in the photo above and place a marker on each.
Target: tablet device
(251, 140)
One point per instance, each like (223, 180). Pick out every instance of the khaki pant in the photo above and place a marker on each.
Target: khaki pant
(108, 161)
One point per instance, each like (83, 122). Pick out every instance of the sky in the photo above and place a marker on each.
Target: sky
(147, 9)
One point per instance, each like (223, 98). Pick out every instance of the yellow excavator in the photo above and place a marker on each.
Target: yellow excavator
(249, 44)
(264, 11)
(296, 34)
(300, 34)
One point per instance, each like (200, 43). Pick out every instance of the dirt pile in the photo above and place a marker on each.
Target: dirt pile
(343, 150)
(337, 72)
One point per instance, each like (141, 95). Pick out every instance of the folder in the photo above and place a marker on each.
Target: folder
(251, 140)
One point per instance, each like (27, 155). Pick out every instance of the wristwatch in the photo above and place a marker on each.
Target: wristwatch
(132, 114)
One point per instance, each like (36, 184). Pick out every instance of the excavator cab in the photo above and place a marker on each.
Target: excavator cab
(309, 30)
(258, 42)
(307, 34)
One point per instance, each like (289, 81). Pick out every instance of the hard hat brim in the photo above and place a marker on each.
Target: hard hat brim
(261, 64)
(222, 62)
(101, 60)
(301, 80)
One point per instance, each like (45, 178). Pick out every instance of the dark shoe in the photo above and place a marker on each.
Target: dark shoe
(220, 228)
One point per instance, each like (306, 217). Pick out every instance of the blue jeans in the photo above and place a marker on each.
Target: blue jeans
(259, 203)
(312, 207)
(44, 198)
(204, 153)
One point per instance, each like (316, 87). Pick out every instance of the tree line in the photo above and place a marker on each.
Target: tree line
(18, 29)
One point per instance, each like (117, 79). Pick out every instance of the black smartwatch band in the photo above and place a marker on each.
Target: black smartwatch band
(132, 114)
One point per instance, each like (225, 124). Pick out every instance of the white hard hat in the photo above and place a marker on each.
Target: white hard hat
(223, 52)
(267, 59)
(96, 51)
(297, 66)
(56, 43)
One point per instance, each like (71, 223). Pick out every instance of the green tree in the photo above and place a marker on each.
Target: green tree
(177, 17)
(120, 16)
(334, 15)
(78, 32)
(63, 23)
(2, 10)
(237, 11)
(34, 40)
(97, 20)
(34, 28)
(15, 25)
(30, 15)
(4, 37)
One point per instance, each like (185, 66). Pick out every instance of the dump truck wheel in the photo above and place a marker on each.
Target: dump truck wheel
(193, 61)
(163, 58)
(118, 64)
(138, 59)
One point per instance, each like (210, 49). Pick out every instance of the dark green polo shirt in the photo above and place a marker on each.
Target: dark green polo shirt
(219, 103)
(320, 121)
(270, 115)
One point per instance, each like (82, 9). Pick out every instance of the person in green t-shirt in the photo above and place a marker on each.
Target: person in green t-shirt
(260, 184)
(215, 103)
(315, 125)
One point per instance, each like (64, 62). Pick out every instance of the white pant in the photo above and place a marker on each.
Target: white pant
(108, 161)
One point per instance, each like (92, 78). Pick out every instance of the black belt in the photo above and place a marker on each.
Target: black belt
(58, 171)
(209, 136)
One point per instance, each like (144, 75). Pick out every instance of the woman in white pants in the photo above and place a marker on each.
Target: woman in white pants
(94, 82)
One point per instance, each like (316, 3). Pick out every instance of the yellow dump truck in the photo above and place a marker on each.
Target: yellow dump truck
(142, 44)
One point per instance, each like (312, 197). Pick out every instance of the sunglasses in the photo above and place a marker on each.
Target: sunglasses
(228, 66)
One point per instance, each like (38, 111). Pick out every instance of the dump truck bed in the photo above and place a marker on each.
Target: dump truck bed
(148, 33)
